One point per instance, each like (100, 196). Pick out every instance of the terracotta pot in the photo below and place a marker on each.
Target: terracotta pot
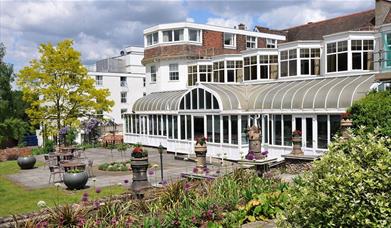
(140, 177)
(75, 180)
(26, 162)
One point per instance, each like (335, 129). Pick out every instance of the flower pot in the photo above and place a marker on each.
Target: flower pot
(296, 150)
(140, 177)
(26, 162)
(75, 180)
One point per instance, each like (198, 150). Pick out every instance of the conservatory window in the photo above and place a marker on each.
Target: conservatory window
(277, 130)
(198, 99)
(362, 54)
(250, 68)
(234, 71)
(287, 130)
(225, 129)
(322, 131)
(209, 128)
(335, 125)
(216, 129)
(170, 135)
(205, 72)
(183, 126)
(268, 66)
(289, 63)
(337, 56)
(188, 127)
(175, 128)
(234, 129)
(165, 125)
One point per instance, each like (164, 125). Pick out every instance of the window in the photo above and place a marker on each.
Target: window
(277, 130)
(205, 72)
(153, 74)
(268, 66)
(287, 130)
(288, 63)
(192, 75)
(198, 99)
(217, 129)
(124, 97)
(387, 49)
(234, 71)
(123, 82)
(335, 125)
(310, 61)
(194, 35)
(225, 129)
(234, 129)
(218, 71)
(322, 131)
(337, 56)
(229, 40)
(251, 42)
(123, 110)
(183, 127)
(99, 80)
(362, 54)
(250, 68)
(209, 128)
(173, 35)
(174, 73)
(152, 39)
(271, 43)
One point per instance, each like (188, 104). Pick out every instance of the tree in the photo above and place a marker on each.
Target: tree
(13, 120)
(59, 89)
(373, 111)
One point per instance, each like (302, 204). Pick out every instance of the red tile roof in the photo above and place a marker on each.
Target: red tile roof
(362, 21)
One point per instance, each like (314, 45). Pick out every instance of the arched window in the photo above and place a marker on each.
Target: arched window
(198, 99)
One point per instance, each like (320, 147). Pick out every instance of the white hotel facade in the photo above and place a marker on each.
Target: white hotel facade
(214, 81)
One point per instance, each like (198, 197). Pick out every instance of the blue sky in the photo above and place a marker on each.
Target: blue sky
(101, 28)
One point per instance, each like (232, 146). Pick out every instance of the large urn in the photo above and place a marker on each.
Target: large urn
(26, 162)
(76, 180)
(140, 177)
(200, 151)
(255, 142)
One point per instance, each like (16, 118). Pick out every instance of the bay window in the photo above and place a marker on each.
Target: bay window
(234, 71)
(152, 39)
(310, 61)
(218, 71)
(268, 66)
(250, 68)
(288, 63)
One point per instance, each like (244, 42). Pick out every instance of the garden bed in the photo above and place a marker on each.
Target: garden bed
(115, 166)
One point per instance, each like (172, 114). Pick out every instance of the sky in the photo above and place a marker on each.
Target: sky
(101, 28)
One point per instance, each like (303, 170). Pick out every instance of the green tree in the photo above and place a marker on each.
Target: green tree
(13, 120)
(373, 111)
(59, 89)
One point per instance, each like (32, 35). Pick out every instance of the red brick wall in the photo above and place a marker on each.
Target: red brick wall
(212, 44)
(261, 42)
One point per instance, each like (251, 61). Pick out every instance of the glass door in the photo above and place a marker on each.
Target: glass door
(306, 125)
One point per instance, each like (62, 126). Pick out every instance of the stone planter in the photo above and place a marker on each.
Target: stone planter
(345, 124)
(26, 162)
(296, 141)
(255, 142)
(200, 151)
(76, 180)
(140, 177)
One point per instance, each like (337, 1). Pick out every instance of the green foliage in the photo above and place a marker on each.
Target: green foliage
(349, 187)
(13, 120)
(70, 136)
(122, 147)
(373, 111)
(49, 146)
(115, 166)
(75, 171)
(58, 88)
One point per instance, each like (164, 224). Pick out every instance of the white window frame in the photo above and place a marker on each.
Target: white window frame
(361, 52)
(287, 60)
(198, 35)
(174, 73)
(153, 73)
(233, 40)
(337, 52)
(268, 64)
(271, 43)
(124, 97)
(251, 42)
(309, 58)
(99, 80)
(150, 38)
(172, 32)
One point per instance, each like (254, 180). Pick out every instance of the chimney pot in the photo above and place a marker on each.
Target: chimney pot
(241, 26)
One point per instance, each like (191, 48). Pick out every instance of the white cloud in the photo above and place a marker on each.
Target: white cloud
(231, 22)
(190, 19)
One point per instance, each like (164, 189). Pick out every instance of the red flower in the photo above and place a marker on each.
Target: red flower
(137, 150)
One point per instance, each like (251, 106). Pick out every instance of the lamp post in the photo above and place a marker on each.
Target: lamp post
(161, 160)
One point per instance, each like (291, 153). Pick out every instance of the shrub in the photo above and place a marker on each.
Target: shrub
(349, 187)
(373, 111)
(38, 151)
(49, 146)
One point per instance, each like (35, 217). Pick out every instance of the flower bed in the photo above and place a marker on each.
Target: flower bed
(115, 166)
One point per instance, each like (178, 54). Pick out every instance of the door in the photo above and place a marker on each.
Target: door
(199, 129)
(306, 124)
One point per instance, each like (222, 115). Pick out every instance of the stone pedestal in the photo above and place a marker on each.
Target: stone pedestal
(200, 151)
(296, 150)
(345, 124)
(140, 177)
(255, 142)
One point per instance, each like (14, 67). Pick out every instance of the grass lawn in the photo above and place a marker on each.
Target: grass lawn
(15, 199)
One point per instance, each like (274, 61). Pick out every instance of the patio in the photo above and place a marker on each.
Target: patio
(39, 177)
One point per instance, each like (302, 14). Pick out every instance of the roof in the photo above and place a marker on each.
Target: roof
(362, 21)
(316, 94)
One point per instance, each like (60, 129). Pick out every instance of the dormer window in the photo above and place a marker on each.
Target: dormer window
(229, 40)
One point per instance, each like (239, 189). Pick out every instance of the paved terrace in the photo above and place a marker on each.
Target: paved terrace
(39, 177)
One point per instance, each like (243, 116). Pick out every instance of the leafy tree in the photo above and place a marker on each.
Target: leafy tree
(59, 89)
(349, 186)
(13, 120)
(372, 111)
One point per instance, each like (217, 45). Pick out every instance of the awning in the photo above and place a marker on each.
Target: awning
(312, 94)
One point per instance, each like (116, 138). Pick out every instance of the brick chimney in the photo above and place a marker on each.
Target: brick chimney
(241, 26)
(381, 10)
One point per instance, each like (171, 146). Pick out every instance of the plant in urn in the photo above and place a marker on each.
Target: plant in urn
(139, 164)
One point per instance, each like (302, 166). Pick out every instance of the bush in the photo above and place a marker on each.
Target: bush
(38, 151)
(373, 111)
(49, 146)
(349, 187)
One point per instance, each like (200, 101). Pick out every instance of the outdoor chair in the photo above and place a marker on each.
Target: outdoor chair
(80, 154)
(55, 171)
(50, 160)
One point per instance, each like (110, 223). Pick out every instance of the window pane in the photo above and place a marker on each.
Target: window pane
(164, 125)
(342, 46)
(287, 130)
(305, 67)
(356, 58)
(293, 54)
(246, 73)
(208, 99)
(343, 61)
(292, 67)
(315, 52)
(217, 129)
(167, 36)
(356, 45)
(209, 128)
(170, 126)
(331, 48)
(188, 101)
(194, 35)
(322, 131)
(284, 55)
(201, 99)
(254, 72)
(368, 61)
(183, 127)
(331, 63)
(178, 35)
(234, 129)
(263, 59)
(175, 133)
(315, 66)
(309, 132)
(188, 127)
(335, 124)
(225, 129)
(194, 99)
(368, 45)
(284, 69)
(277, 129)
(264, 72)
(243, 131)
(305, 53)
(231, 75)
(228, 39)
(221, 75)
(215, 103)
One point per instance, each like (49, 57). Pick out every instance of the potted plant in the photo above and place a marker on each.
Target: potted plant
(296, 141)
(75, 179)
(139, 164)
(26, 162)
(200, 150)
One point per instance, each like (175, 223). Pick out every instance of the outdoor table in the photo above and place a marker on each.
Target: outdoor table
(73, 165)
